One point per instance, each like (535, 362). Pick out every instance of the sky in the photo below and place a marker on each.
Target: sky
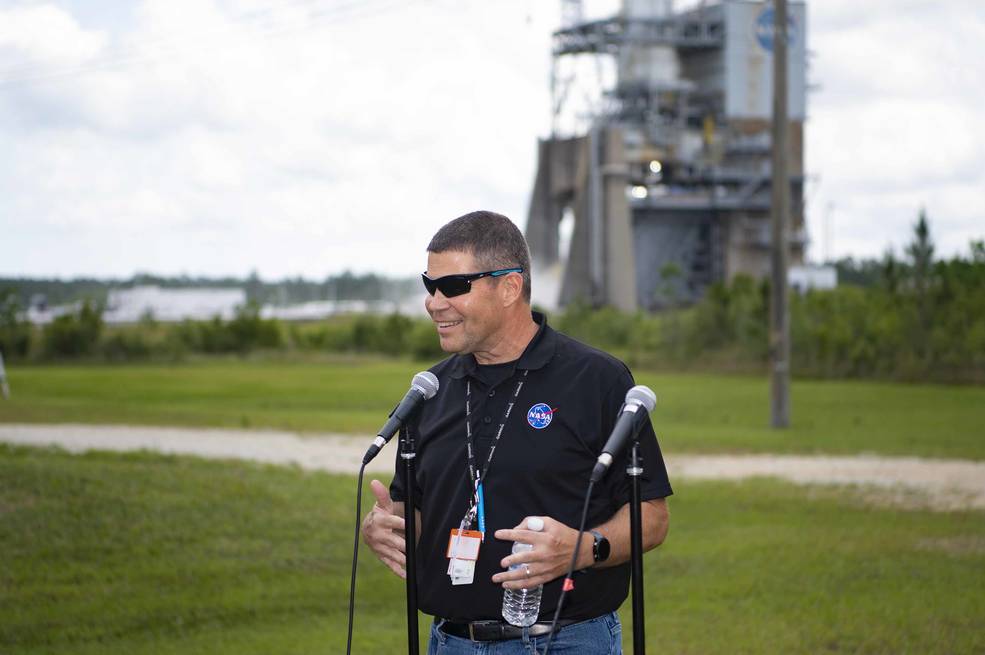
(308, 137)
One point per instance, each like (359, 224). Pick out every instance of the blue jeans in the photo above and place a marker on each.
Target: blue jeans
(601, 636)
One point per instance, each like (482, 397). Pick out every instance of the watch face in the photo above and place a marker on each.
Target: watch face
(601, 547)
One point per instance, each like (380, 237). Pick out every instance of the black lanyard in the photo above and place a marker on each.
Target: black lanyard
(474, 474)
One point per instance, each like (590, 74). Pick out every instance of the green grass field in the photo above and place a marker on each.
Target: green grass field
(703, 413)
(140, 554)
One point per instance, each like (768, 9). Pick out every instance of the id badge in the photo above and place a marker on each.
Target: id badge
(463, 551)
(461, 571)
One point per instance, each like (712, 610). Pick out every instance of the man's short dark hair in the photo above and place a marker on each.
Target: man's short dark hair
(491, 238)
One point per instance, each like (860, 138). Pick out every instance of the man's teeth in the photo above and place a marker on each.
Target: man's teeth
(448, 324)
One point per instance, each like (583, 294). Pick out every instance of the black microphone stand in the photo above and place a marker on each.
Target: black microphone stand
(634, 471)
(409, 455)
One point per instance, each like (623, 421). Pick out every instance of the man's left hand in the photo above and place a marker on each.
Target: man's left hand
(549, 558)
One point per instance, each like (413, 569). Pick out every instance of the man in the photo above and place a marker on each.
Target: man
(522, 413)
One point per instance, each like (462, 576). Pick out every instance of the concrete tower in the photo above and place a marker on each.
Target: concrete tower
(669, 181)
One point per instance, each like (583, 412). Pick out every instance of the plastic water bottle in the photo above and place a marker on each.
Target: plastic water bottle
(521, 606)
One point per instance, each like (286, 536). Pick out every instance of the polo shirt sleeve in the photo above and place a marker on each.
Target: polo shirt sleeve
(654, 482)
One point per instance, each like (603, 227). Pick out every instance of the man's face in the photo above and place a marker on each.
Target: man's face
(467, 322)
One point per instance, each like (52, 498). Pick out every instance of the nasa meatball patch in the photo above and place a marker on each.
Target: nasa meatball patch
(539, 416)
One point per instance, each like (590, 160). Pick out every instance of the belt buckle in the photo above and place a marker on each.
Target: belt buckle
(481, 624)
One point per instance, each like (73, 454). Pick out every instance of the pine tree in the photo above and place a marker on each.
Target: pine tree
(921, 252)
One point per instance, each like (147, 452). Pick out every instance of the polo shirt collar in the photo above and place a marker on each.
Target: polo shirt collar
(536, 355)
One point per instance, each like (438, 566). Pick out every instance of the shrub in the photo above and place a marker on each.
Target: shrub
(126, 346)
(423, 342)
(247, 331)
(15, 333)
(606, 327)
(365, 333)
(73, 335)
(393, 336)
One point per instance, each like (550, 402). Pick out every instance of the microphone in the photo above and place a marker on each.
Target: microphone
(627, 425)
(423, 387)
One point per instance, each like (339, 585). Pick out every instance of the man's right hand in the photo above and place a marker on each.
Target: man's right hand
(383, 529)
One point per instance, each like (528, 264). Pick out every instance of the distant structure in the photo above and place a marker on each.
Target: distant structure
(668, 184)
(174, 304)
(318, 309)
(166, 305)
(807, 278)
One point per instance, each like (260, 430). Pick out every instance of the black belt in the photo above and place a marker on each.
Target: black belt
(496, 630)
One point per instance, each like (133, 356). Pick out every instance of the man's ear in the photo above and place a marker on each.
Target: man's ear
(512, 288)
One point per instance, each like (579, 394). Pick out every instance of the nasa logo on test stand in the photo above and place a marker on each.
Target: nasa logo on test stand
(765, 32)
(539, 416)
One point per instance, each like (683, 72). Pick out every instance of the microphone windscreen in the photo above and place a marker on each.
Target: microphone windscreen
(642, 395)
(427, 383)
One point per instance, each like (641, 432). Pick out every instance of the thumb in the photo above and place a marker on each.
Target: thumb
(382, 495)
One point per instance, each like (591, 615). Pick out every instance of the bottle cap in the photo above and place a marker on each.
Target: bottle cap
(535, 523)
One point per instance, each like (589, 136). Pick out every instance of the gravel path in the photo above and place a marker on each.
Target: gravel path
(936, 483)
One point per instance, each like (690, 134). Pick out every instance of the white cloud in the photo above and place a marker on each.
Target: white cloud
(33, 37)
(896, 124)
(326, 140)
(309, 136)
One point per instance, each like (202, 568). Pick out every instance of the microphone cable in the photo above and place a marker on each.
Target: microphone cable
(569, 583)
(355, 558)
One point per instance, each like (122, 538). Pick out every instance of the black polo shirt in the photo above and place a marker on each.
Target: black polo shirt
(536, 471)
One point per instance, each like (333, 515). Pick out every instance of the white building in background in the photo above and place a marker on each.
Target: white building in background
(174, 305)
(318, 309)
(804, 278)
(131, 305)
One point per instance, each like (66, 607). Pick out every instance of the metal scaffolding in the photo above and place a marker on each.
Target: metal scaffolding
(671, 172)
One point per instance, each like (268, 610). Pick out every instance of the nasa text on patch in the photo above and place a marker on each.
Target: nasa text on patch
(539, 416)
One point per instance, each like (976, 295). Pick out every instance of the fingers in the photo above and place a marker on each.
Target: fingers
(382, 495)
(541, 561)
(524, 536)
(521, 533)
(548, 560)
(394, 540)
(383, 531)
(526, 576)
(381, 519)
(525, 557)
(396, 568)
(392, 557)
(378, 525)
(389, 547)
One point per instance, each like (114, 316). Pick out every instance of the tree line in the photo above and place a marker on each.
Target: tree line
(910, 317)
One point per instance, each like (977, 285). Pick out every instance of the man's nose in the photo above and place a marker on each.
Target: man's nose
(435, 303)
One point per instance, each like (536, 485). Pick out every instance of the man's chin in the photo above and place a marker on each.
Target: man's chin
(451, 345)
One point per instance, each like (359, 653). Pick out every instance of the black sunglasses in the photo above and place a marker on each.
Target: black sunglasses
(455, 285)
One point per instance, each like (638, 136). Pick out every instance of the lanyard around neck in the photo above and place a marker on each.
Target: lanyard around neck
(474, 473)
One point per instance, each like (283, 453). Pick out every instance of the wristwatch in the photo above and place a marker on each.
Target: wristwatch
(600, 549)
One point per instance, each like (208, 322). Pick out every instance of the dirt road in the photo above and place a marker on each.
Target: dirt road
(936, 483)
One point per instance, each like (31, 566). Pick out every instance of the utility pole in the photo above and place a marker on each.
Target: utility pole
(779, 311)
